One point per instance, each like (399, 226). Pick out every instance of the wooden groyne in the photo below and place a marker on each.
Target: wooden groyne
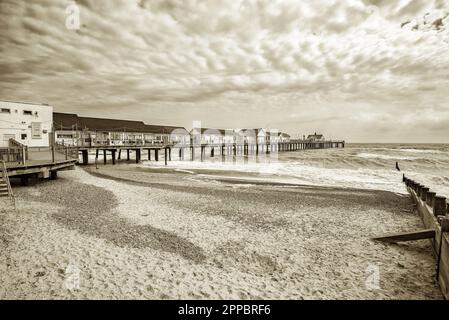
(434, 212)
(214, 150)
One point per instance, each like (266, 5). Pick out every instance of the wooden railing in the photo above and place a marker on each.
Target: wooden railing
(8, 183)
(15, 152)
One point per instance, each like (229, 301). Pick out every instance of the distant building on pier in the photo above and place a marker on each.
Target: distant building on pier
(316, 137)
(239, 136)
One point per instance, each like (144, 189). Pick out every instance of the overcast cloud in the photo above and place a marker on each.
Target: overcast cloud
(371, 70)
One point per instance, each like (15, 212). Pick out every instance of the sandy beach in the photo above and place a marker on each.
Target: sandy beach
(136, 233)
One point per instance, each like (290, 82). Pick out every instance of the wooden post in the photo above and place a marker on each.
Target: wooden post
(104, 156)
(418, 190)
(156, 154)
(424, 193)
(113, 156)
(165, 158)
(429, 198)
(212, 152)
(149, 154)
(119, 154)
(127, 154)
(180, 153)
(138, 155)
(169, 154)
(52, 154)
(439, 206)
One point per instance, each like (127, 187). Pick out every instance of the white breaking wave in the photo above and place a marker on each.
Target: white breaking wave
(384, 157)
(295, 172)
(364, 167)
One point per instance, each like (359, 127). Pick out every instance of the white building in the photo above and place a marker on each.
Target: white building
(29, 124)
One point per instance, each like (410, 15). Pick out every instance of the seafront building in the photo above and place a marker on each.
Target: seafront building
(26, 123)
(73, 130)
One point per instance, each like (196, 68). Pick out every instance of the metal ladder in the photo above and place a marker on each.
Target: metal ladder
(5, 185)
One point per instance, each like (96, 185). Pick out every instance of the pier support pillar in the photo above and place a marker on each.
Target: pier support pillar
(113, 156)
(127, 154)
(165, 158)
(85, 156)
(104, 156)
(169, 154)
(119, 154)
(212, 152)
(53, 175)
(156, 154)
(149, 154)
(203, 150)
(138, 155)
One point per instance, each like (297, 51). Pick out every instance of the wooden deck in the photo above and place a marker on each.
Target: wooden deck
(41, 163)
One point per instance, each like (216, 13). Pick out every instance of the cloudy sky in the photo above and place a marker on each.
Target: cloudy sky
(362, 70)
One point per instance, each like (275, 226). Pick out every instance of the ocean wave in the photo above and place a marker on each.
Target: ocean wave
(294, 172)
(422, 151)
(384, 156)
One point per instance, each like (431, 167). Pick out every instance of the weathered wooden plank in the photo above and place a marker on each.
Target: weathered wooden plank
(407, 236)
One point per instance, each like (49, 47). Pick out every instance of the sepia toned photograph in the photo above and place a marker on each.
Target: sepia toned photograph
(244, 150)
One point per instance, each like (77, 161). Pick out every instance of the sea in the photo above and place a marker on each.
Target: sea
(362, 166)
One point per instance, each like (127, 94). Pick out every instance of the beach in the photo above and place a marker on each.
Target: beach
(127, 232)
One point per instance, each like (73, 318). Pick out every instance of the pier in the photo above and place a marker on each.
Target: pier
(153, 152)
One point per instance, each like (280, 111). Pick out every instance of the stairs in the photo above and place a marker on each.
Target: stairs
(5, 185)
(3, 188)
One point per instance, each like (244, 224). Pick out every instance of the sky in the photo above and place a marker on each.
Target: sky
(359, 70)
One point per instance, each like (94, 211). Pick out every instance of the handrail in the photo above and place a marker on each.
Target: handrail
(23, 149)
(8, 183)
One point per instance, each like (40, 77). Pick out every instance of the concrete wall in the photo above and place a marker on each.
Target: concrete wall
(29, 124)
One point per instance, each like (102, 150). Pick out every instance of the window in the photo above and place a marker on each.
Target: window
(27, 112)
(5, 110)
(36, 130)
(65, 135)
